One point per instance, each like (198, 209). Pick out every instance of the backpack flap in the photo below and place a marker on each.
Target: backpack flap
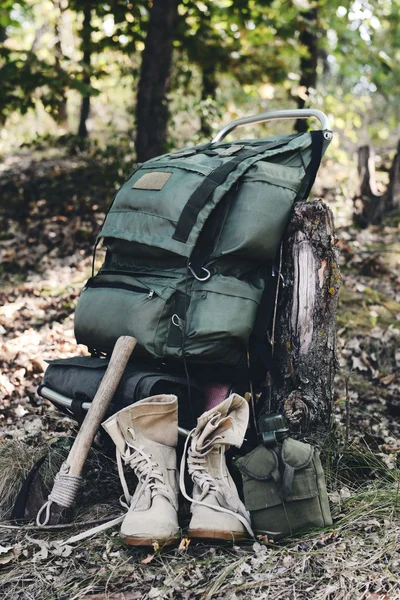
(282, 489)
(167, 200)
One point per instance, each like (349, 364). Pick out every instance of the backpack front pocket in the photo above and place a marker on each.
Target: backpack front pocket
(220, 319)
(115, 305)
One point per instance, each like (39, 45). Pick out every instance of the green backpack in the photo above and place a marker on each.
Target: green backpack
(191, 241)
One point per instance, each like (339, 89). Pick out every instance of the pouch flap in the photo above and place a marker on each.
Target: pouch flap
(264, 494)
(229, 286)
(260, 464)
(297, 455)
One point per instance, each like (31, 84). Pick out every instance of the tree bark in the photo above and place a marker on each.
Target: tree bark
(393, 190)
(370, 206)
(87, 52)
(304, 340)
(308, 63)
(152, 106)
(208, 92)
(61, 116)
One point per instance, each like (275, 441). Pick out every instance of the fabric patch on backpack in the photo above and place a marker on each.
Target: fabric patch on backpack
(152, 181)
(229, 151)
(181, 153)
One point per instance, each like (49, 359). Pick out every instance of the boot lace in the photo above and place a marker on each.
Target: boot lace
(150, 477)
(196, 463)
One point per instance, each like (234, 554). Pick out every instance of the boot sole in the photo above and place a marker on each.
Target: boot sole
(143, 541)
(230, 536)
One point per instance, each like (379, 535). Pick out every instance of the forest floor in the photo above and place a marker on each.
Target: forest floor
(48, 223)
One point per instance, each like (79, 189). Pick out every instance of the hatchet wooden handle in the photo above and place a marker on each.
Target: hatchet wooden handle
(102, 400)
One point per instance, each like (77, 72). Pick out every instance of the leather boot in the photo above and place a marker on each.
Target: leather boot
(217, 511)
(146, 436)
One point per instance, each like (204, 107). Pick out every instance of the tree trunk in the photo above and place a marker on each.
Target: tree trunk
(87, 51)
(393, 190)
(39, 33)
(370, 205)
(152, 106)
(61, 116)
(308, 63)
(304, 341)
(208, 92)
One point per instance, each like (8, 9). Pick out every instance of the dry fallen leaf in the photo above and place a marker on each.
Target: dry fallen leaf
(9, 553)
(147, 559)
(388, 379)
(184, 545)
(6, 387)
(288, 561)
(20, 411)
(118, 596)
(264, 539)
(358, 364)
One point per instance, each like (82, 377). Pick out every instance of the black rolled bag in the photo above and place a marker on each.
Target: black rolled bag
(71, 384)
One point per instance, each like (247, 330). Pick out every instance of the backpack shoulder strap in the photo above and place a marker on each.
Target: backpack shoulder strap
(317, 150)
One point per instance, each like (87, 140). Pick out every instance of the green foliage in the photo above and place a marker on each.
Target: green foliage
(251, 48)
(28, 80)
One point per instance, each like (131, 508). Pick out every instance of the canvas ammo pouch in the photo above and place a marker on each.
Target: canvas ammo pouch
(79, 378)
(284, 489)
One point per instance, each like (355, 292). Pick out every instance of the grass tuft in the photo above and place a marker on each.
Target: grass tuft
(16, 460)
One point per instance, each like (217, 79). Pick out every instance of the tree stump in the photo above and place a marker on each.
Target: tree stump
(304, 332)
(393, 189)
(369, 204)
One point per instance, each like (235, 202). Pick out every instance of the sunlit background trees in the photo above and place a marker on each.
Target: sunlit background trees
(74, 67)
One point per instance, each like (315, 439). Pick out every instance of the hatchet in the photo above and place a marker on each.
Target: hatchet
(69, 477)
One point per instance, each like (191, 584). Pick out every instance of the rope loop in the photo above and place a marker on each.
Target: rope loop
(63, 493)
